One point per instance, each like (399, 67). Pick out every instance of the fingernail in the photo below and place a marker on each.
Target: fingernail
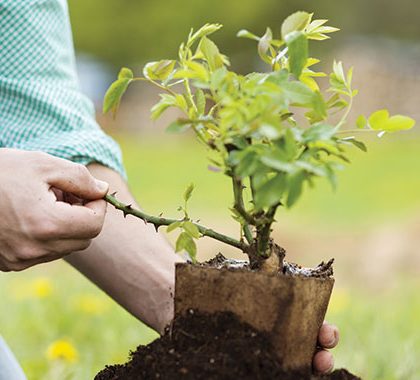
(102, 186)
(331, 339)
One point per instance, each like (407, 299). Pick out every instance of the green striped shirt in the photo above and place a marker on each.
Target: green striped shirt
(41, 106)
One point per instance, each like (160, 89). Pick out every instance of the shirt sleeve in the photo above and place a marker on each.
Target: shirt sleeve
(41, 106)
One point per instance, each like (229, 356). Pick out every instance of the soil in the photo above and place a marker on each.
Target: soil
(209, 347)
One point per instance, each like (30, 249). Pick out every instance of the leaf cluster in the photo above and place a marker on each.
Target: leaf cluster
(250, 122)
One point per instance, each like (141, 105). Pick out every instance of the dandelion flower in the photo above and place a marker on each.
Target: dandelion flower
(62, 349)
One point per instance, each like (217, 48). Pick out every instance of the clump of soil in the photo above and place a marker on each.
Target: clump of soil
(209, 347)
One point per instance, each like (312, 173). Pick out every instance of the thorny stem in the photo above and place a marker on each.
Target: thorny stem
(159, 221)
(263, 233)
(240, 208)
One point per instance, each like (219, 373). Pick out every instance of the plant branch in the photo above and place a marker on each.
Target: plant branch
(159, 221)
(240, 208)
(167, 89)
(263, 233)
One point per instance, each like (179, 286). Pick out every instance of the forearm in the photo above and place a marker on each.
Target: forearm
(130, 261)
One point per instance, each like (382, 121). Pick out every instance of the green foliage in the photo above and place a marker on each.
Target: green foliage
(249, 122)
(116, 91)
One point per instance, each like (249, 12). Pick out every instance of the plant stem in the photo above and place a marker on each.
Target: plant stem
(263, 233)
(167, 89)
(240, 208)
(159, 221)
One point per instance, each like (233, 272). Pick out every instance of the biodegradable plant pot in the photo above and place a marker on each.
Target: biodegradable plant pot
(290, 309)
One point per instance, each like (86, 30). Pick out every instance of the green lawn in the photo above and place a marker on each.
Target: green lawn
(380, 338)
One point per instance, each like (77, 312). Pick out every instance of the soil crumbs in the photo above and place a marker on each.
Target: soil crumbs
(204, 347)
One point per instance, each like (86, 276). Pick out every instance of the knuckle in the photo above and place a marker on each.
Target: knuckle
(81, 171)
(26, 253)
(43, 230)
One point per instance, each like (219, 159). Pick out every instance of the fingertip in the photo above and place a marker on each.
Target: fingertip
(328, 336)
(102, 187)
(323, 362)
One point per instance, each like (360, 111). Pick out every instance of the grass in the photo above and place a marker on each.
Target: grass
(380, 337)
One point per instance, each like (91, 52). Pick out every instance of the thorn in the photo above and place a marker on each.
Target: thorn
(114, 194)
(156, 227)
(160, 215)
(145, 221)
(129, 206)
(125, 214)
(198, 221)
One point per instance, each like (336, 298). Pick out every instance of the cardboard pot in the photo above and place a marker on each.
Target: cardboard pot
(289, 309)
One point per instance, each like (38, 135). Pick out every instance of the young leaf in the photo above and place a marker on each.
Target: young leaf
(297, 44)
(380, 121)
(173, 226)
(185, 242)
(295, 185)
(178, 126)
(114, 94)
(264, 45)
(205, 30)
(211, 53)
(361, 122)
(298, 93)
(159, 70)
(188, 192)
(200, 101)
(125, 73)
(296, 22)
(191, 229)
(246, 34)
(270, 192)
(357, 143)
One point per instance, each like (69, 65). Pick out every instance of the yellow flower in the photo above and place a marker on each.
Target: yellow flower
(90, 304)
(42, 287)
(62, 349)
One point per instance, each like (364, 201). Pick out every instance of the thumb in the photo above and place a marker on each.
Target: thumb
(76, 179)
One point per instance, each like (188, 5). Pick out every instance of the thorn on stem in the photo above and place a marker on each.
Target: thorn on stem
(113, 194)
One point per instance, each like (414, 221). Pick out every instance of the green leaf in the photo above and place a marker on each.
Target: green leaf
(114, 94)
(205, 30)
(270, 192)
(211, 53)
(381, 121)
(159, 70)
(178, 126)
(247, 163)
(191, 229)
(200, 100)
(296, 22)
(318, 132)
(185, 242)
(277, 163)
(295, 185)
(361, 122)
(357, 143)
(188, 192)
(297, 44)
(246, 34)
(264, 45)
(298, 93)
(125, 73)
(167, 101)
(173, 226)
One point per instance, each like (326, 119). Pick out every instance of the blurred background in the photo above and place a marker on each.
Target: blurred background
(62, 327)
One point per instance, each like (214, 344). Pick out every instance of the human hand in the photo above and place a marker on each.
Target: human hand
(323, 361)
(36, 225)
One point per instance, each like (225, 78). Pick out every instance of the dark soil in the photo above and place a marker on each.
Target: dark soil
(204, 347)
